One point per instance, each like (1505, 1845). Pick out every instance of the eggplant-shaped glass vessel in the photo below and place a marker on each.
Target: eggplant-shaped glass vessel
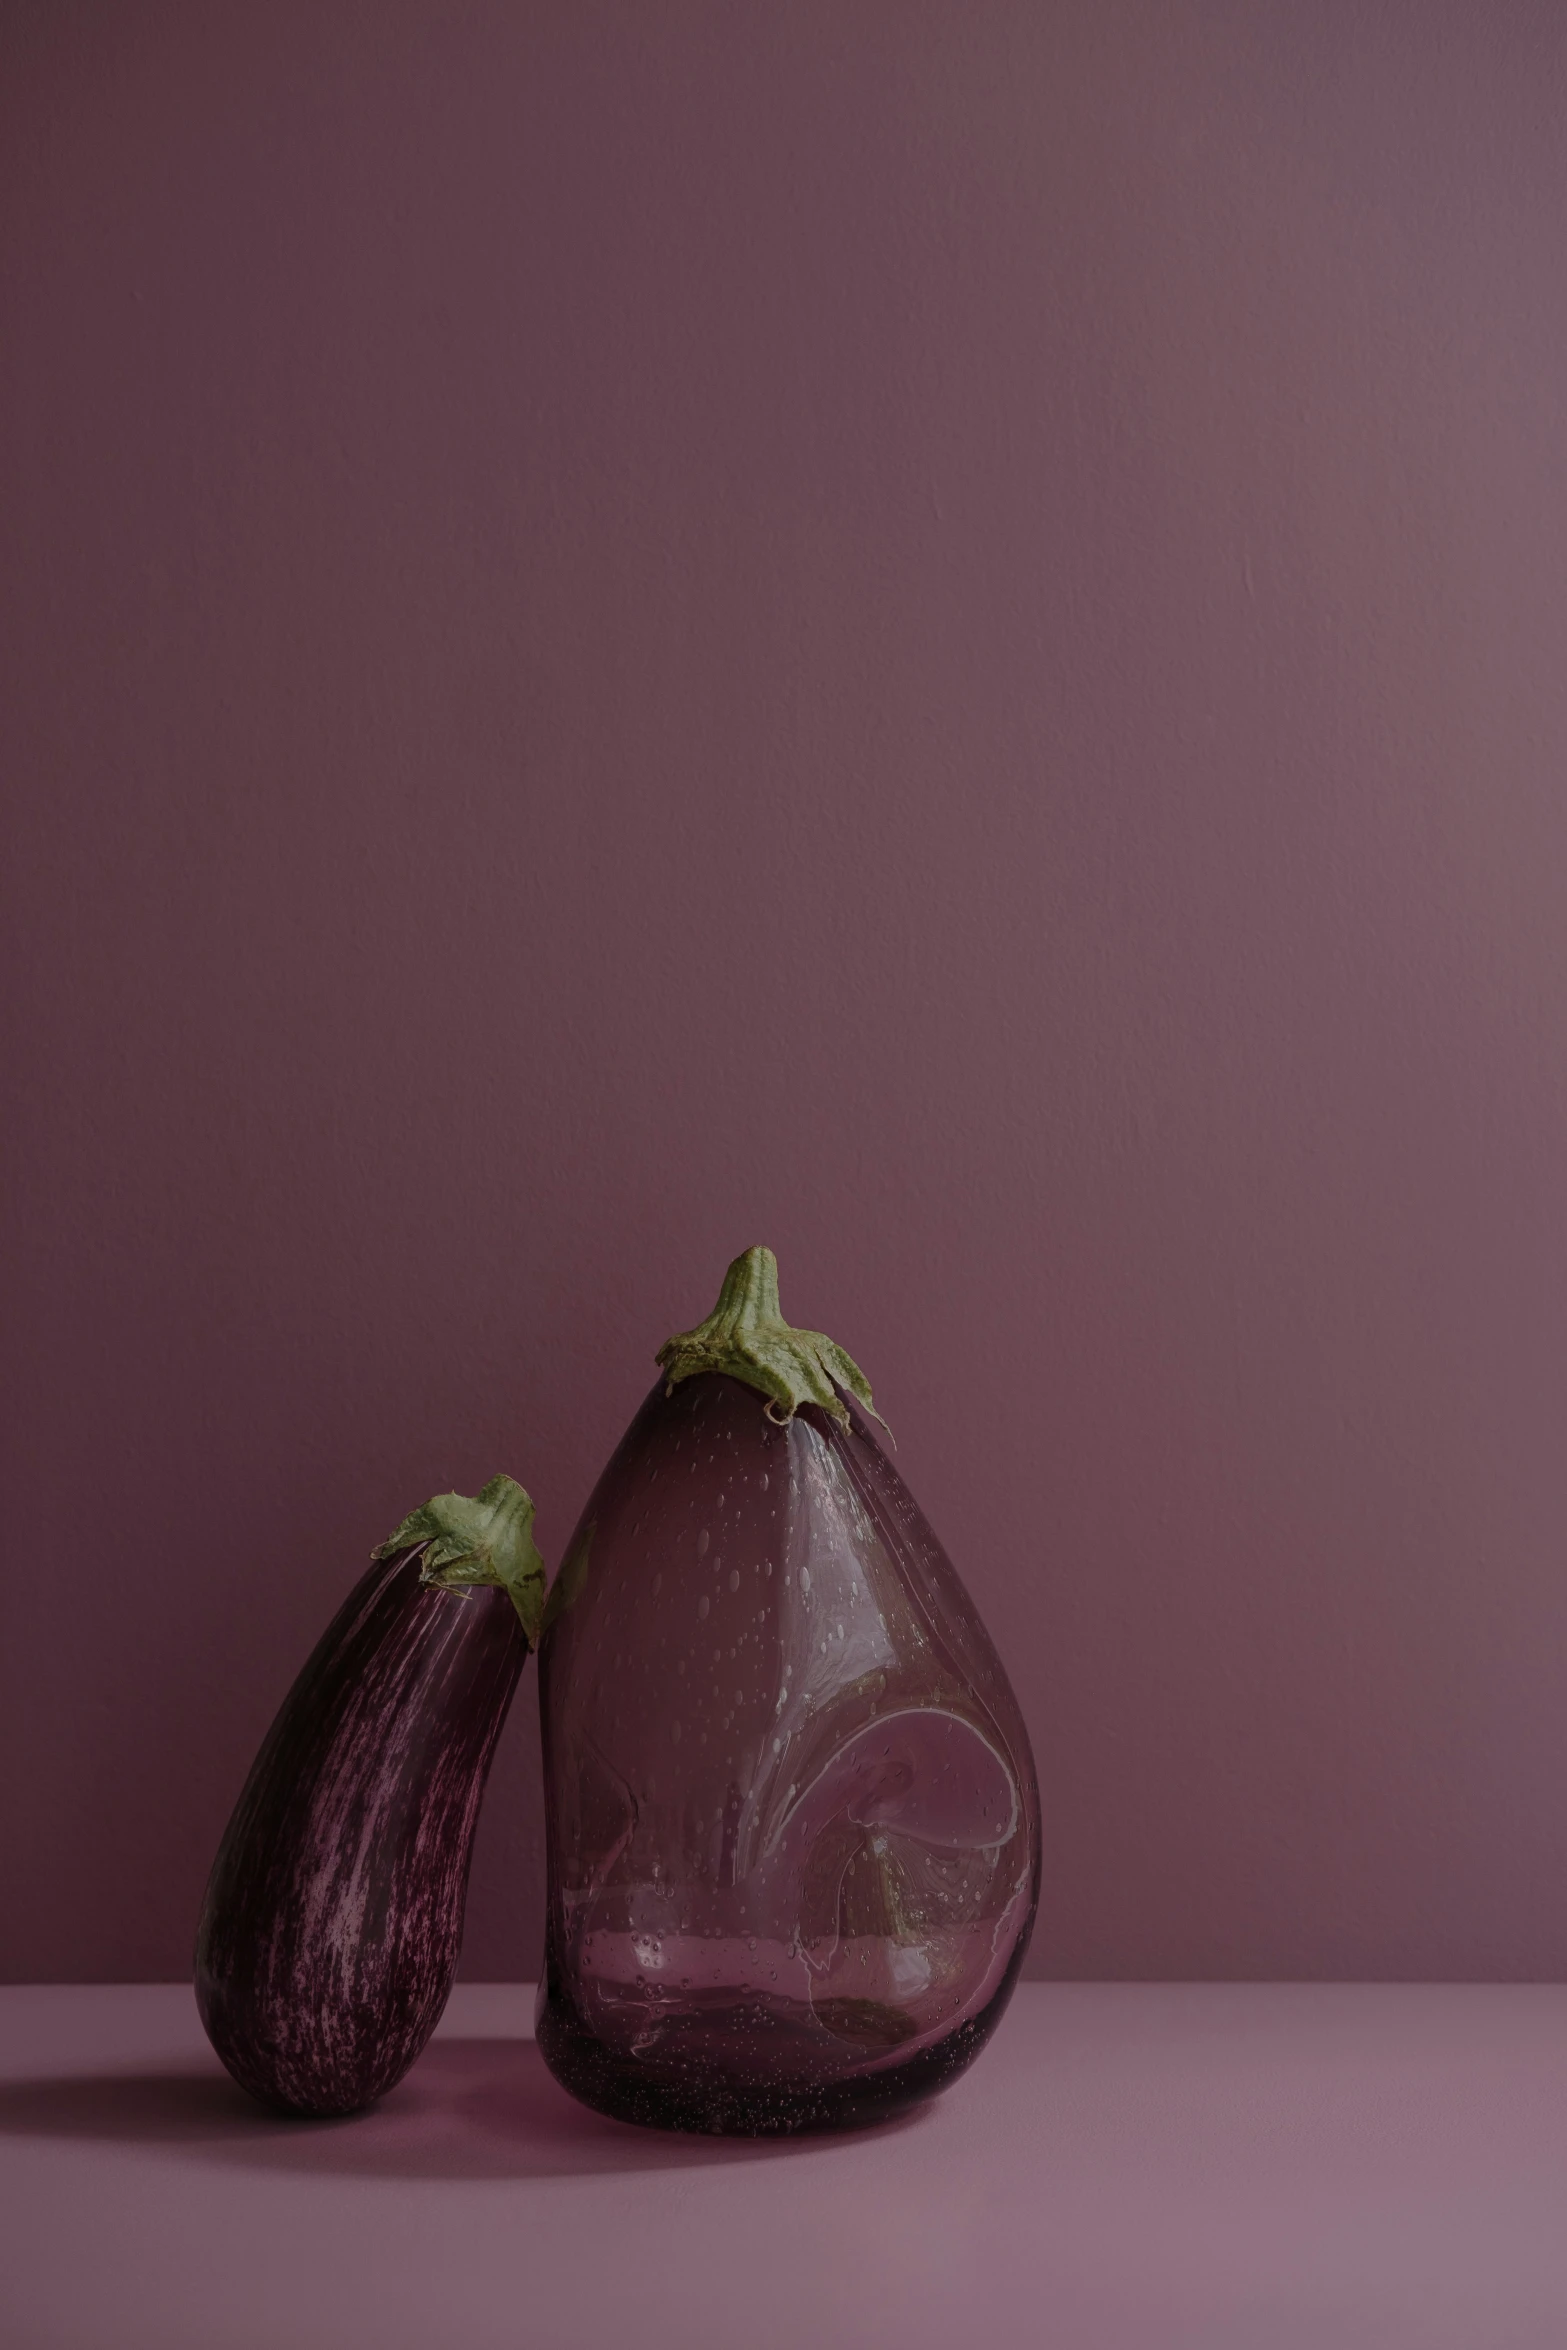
(793, 1827)
(333, 1916)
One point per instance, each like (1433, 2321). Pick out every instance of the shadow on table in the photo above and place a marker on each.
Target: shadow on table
(470, 2109)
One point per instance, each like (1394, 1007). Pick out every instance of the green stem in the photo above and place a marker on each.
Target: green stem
(484, 1541)
(746, 1337)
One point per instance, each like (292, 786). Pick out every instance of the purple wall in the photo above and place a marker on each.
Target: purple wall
(934, 634)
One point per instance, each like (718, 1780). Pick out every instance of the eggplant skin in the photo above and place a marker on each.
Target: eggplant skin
(333, 1916)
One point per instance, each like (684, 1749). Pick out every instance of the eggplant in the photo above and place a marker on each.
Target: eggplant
(793, 1825)
(333, 1916)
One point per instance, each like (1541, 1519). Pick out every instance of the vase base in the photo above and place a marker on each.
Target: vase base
(690, 2079)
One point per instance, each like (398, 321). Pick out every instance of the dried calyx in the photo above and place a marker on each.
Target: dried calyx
(746, 1337)
(485, 1540)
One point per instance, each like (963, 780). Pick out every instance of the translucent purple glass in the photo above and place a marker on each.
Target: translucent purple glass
(793, 1823)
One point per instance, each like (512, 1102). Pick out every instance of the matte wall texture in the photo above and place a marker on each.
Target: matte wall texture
(932, 634)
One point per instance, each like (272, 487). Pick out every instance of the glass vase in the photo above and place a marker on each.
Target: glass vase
(793, 1826)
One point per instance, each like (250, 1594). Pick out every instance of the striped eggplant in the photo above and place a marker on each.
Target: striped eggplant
(333, 1916)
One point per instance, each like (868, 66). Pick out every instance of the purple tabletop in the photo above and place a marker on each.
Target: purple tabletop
(1339, 2166)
